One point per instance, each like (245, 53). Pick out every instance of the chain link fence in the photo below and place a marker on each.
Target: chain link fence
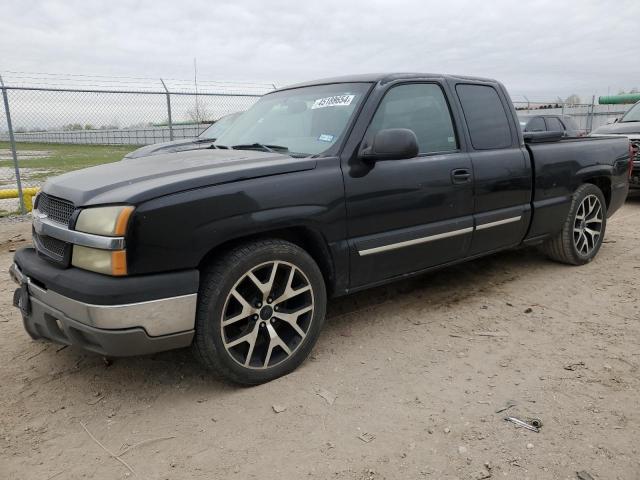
(53, 124)
(50, 124)
(588, 116)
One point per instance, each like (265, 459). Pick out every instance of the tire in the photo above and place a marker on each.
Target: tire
(575, 244)
(273, 298)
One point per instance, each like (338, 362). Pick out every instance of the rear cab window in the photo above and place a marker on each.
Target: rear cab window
(485, 116)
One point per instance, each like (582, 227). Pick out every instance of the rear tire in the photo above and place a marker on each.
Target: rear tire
(583, 231)
(261, 307)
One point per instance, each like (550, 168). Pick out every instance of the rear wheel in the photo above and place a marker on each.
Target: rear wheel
(583, 231)
(261, 309)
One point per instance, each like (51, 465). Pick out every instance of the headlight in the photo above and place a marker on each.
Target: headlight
(109, 262)
(109, 221)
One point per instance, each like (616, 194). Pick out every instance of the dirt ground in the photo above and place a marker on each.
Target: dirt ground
(405, 382)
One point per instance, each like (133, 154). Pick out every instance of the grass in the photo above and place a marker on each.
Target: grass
(65, 157)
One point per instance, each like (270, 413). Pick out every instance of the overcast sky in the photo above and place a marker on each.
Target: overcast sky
(542, 49)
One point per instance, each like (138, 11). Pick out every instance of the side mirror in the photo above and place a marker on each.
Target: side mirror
(391, 144)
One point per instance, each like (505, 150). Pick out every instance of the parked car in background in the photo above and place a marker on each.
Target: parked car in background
(320, 189)
(627, 126)
(550, 123)
(204, 140)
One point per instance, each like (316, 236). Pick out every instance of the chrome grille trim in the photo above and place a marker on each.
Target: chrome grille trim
(44, 226)
(56, 209)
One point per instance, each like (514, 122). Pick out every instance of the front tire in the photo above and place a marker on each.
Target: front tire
(583, 231)
(261, 307)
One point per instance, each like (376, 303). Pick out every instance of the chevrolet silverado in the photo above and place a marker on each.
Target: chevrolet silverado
(318, 190)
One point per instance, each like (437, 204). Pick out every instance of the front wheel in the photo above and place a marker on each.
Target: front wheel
(261, 309)
(583, 231)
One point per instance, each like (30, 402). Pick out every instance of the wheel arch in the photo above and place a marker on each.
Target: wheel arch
(305, 237)
(603, 183)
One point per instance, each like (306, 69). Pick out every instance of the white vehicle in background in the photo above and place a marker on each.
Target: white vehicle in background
(627, 126)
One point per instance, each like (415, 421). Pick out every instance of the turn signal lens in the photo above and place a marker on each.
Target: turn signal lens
(119, 263)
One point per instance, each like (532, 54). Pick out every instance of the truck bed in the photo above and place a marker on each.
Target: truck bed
(561, 164)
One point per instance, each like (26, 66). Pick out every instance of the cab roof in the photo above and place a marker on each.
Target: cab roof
(383, 78)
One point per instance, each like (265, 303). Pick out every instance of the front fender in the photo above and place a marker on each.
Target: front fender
(176, 231)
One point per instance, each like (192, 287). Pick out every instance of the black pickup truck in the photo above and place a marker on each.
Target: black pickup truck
(318, 190)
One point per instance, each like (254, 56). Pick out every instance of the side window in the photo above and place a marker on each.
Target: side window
(536, 124)
(485, 116)
(554, 125)
(420, 107)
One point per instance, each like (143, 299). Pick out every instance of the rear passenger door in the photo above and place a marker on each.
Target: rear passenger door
(501, 169)
(410, 214)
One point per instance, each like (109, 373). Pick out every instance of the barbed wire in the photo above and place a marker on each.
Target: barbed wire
(14, 78)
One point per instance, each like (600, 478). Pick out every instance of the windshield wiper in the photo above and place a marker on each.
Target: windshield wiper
(264, 148)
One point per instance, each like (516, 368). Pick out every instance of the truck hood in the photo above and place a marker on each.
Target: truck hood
(621, 128)
(170, 147)
(137, 180)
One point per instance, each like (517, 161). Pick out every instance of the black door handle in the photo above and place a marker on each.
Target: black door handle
(460, 175)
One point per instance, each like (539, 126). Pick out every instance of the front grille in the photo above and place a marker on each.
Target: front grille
(53, 245)
(59, 211)
(56, 209)
(52, 248)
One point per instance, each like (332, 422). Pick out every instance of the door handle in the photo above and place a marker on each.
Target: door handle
(460, 175)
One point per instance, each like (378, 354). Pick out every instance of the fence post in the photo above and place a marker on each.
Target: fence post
(591, 112)
(168, 110)
(12, 139)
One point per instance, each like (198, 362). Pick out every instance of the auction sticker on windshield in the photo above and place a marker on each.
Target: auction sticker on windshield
(335, 101)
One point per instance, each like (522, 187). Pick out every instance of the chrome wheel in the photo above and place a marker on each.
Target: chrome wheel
(267, 314)
(587, 226)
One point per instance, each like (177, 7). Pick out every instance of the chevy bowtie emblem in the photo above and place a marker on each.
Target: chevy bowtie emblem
(38, 217)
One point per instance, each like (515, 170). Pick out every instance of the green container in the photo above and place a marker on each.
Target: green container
(625, 98)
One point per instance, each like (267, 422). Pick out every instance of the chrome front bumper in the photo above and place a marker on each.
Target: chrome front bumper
(126, 329)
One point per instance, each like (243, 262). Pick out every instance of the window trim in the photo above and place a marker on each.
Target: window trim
(508, 115)
(452, 117)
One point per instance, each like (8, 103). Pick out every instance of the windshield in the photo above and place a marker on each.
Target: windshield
(632, 115)
(304, 121)
(215, 130)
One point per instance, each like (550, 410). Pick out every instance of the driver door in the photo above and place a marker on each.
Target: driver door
(408, 215)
